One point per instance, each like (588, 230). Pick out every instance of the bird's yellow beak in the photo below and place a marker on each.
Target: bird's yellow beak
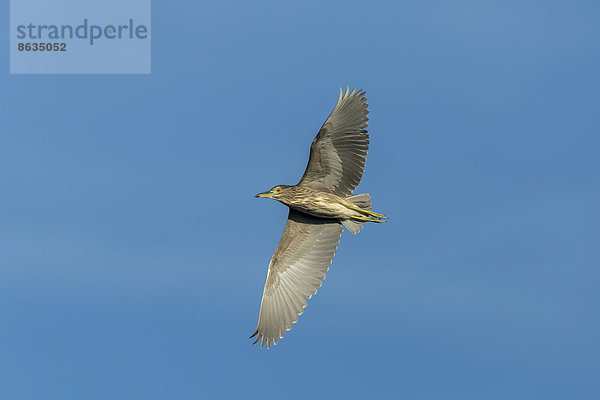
(266, 195)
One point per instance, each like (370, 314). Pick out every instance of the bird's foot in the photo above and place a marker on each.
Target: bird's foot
(374, 214)
(367, 219)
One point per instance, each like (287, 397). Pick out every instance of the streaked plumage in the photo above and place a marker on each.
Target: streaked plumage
(319, 204)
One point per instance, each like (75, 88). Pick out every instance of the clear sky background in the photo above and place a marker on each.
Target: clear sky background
(133, 254)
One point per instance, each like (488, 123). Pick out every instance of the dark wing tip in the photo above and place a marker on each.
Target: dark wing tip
(354, 93)
(258, 338)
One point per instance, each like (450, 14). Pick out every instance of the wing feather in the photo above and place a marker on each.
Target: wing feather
(339, 151)
(296, 271)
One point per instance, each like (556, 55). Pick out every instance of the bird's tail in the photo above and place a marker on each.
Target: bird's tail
(352, 226)
(362, 201)
(362, 204)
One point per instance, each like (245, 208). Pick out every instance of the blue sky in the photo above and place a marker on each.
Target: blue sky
(133, 255)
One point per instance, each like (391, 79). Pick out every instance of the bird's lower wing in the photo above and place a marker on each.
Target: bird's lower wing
(296, 271)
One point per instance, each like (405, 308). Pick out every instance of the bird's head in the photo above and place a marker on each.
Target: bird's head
(273, 193)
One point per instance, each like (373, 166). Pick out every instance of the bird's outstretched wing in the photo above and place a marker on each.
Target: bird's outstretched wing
(296, 271)
(339, 151)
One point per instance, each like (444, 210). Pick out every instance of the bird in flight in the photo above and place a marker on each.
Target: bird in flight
(319, 205)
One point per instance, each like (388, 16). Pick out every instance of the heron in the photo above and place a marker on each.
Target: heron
(319, 205)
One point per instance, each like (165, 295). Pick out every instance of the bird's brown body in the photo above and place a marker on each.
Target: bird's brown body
(316, 203)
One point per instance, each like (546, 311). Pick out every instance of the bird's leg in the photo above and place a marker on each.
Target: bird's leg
(366, 212)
